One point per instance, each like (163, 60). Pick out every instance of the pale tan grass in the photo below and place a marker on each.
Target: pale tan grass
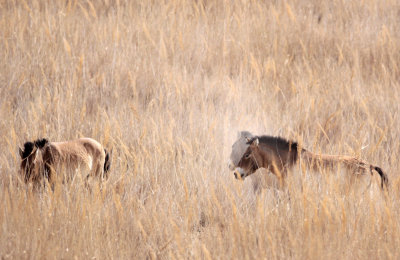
(167, 85)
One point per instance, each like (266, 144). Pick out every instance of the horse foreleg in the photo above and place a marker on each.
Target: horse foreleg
(50, 175)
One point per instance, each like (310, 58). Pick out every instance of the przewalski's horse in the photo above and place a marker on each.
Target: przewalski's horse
(277, 155)
(43, 159)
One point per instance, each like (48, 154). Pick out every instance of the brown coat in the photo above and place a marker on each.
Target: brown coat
(277, 155)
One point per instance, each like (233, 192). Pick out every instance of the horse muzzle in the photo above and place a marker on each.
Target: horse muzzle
(237, 171)
(239, 174)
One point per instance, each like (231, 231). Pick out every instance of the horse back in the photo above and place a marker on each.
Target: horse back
(92, 146)
(84, 150)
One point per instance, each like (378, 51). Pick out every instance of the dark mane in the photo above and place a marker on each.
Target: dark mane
(40, 143)
(28, 148)
(278, 142)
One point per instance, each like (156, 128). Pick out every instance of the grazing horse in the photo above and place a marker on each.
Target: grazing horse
(277, 155)
(43, 159)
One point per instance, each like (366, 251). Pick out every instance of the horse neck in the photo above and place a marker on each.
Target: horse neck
(283, 157)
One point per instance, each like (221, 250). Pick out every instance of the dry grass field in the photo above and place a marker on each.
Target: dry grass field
(167, 85)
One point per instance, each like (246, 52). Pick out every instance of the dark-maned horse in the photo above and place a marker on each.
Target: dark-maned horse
(277, 155)
(43, 159)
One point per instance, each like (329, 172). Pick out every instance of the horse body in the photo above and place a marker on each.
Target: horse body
(83, 153)
(277, 155)
(353, 164)
(42, 158)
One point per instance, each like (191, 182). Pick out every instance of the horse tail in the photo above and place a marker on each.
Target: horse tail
(384, 178)
(107, 162)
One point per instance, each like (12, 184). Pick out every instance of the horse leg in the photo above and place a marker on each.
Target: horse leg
(49, 175)
(96, 171)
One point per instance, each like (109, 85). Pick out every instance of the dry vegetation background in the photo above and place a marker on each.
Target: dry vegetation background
(168, 84)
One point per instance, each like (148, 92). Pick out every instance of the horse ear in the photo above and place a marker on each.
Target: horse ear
(21, 152)
(256, 142)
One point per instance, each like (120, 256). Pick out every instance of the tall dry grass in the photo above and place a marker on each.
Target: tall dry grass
(168, 84)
